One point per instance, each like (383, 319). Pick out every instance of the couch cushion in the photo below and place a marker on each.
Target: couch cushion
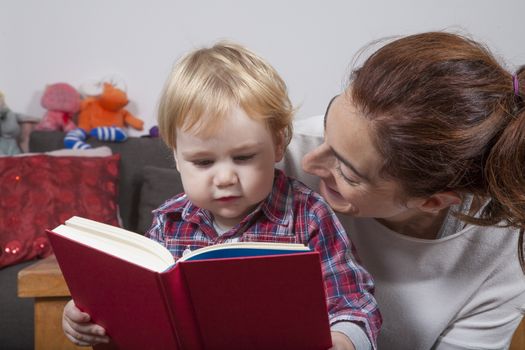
(42, 191)
(159, 185)
(16, 323)
(135, 154)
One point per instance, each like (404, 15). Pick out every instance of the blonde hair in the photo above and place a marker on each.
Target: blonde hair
(211, 81)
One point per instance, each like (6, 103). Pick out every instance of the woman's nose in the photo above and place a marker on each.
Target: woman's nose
(317, 162)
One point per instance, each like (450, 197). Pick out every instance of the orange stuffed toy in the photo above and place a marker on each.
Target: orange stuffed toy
(104, 118)
(107, 110)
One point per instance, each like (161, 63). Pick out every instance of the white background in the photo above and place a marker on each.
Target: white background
(311, 43)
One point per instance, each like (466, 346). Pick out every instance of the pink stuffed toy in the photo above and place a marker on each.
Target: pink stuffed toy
(62, 102)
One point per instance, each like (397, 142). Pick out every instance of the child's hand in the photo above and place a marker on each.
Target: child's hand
(341, 342)
(78, 328)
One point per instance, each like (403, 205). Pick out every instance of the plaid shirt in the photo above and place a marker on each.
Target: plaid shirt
(292, 213)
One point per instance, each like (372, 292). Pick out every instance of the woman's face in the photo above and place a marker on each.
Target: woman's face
(348, 165)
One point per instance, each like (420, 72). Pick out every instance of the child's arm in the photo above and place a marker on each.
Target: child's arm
(352, 309)
(78, 328)
(341, 342)
(131, 120)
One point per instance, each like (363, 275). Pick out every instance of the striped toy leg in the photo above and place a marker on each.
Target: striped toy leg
(74, 139)
(109, 133)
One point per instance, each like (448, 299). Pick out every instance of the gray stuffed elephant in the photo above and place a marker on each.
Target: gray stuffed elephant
(10, 129)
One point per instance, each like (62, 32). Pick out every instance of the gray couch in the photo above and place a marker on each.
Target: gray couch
(147, 178)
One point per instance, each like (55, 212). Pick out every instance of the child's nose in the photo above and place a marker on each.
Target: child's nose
(225, 176)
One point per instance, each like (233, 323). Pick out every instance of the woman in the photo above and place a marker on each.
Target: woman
(425, 153)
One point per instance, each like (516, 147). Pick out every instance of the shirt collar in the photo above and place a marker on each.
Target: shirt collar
(277, 206)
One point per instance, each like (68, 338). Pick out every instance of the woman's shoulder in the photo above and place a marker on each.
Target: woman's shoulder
(472, 264)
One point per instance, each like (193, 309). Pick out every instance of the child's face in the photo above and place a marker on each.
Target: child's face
(231, 171)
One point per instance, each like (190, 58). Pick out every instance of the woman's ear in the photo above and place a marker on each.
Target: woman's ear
(437, 201)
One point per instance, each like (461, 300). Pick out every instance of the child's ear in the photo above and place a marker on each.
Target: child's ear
(280, 146)
(176, 160)
(436, 202)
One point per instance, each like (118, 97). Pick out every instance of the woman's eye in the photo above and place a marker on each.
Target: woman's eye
(346, 178)
(244, 158)
(202, 162)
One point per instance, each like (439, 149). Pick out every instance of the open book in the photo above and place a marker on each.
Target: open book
(245, 295)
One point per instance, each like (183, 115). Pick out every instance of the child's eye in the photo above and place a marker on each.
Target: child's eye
(244, 158)
(202, 163)
(348, 180)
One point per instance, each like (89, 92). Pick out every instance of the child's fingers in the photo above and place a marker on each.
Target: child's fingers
(84, 334)
(76, 341)
(78, 328)
(72, 312)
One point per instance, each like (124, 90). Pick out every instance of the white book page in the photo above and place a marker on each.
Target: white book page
(118, 242)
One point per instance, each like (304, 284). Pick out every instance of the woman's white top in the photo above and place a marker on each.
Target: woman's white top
(464, 290)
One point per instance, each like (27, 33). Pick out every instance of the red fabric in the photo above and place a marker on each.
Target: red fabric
(40, 192)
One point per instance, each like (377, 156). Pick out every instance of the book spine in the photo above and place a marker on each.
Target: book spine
(168, 306)
(181, 309)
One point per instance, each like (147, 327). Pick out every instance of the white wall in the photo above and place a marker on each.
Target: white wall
(311, 43)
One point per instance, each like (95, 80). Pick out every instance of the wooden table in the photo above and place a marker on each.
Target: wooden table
(518, 340)
(44, 282)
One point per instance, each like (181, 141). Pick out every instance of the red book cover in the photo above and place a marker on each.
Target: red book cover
(124, 298)
(272, 302)
(252, 302)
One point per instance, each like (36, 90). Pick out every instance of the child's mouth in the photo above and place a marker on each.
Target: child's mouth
(227, 199)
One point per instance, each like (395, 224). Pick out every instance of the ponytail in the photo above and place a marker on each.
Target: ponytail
(505, 167)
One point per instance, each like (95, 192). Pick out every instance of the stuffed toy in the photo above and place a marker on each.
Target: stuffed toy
(14, 135)
(104, 118)
(154, 131)
(62, 102)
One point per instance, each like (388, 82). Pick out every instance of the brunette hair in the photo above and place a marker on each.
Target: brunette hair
(446, 116)
(207, 83)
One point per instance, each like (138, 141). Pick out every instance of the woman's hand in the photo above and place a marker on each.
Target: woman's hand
(341, 342)
(78, 328)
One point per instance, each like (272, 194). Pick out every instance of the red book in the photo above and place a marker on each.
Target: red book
(244, 295)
